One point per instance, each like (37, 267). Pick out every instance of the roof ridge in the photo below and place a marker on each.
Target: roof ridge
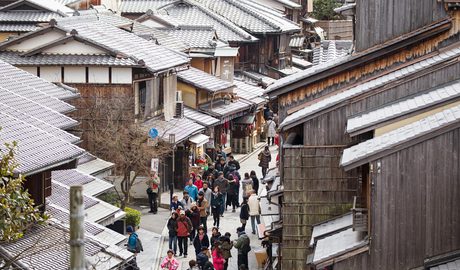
(253, 13)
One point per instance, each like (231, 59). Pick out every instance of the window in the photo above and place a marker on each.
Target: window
(142, 97)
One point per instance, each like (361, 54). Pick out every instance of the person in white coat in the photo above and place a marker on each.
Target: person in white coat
(254, 210)
(271, 131)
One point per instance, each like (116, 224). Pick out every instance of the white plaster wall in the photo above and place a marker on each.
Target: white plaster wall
(98, 75)
(52, 74)
(32, 70)
(74, 75)
(74, 47)
(36, 41)
(122, 75)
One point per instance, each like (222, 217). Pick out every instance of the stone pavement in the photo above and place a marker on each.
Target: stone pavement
(230, 221)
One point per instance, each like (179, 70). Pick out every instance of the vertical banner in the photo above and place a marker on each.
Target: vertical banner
(155, 164)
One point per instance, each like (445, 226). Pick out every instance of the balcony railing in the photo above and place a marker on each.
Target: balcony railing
(360, 214)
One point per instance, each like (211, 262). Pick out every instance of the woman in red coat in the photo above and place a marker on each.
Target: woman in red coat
(217, 258)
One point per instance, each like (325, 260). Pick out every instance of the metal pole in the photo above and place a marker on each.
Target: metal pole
(77, 232)
(173, 173)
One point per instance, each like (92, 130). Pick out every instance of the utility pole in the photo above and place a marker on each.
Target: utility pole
(77, 232)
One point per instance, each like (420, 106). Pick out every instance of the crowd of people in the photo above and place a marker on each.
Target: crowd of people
(212, 194)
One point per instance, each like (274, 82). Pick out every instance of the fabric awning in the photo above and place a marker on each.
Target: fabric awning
(247, 119)
(199, 139)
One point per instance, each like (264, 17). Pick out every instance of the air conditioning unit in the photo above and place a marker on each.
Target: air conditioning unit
(179, 109)
(178, 95)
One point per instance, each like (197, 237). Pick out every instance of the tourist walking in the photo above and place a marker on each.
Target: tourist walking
(216, 203)
(254, 211)
(232, 193)
(201, 240)
(226, 246)
(222, 183)
(202, 205)
(186, 201)
(271, 131)
(247, 184)
(255, 182)
(207, 195)
(215, 235)
(243, 244)
(152, 191)
(198, 182)
(194, 215)
(191, 189)
(244, 213)
(170, 262)
(175, 203)
(217, 258)
(134, 245)
(184, 227)
(172, 232)
(233, 162)
(264, 160)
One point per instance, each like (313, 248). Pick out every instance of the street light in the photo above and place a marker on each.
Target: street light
(172, 140)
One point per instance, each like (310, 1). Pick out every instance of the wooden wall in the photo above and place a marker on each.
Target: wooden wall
(378, 21)
(415, 201)
(315, 189)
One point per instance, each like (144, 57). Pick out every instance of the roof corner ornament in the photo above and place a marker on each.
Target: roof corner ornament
(74, 32)
(141, 62)
(53, 22)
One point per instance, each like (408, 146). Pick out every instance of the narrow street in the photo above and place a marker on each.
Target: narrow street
(157, 247)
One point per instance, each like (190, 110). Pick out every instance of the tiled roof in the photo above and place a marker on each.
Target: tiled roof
(41, 112)
(93, 166)
(249, 92)
(36, 122)
(401, 135)
(251, 16)
(203, 80)
(412, 104)
(156, 58)
(159, 37)
(330, 50)
(107, 17)
(332, 100)
(301, 63)
(37, 149)
(69, 60)
(333, 225)
(27, 16)
(141, 6)
(195, 37)
(453, 265)
(297, 41)
(48, 5)
(17, 27)
(183, 128)
(47, 247)
(199, 117)
(198, 15)
(91, 185)
(11, 79)
(60, 195)
(230, 111)
(290, 4)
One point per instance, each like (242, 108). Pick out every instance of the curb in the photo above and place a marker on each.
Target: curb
(157, 261)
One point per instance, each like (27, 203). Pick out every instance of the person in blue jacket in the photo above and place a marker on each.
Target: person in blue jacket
(192, 190)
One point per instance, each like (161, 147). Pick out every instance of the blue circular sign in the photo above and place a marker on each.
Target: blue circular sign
(153, 133)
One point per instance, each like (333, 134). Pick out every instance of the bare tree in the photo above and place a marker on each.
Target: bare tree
(112, 134)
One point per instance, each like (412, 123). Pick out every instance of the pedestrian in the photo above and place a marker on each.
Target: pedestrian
(244, 212)
(271, 131)
(237, 177)
(194, 215)
(226, 246)
(243, 244)
(172, 232)
(134, 245)
(233, 162)
(169, 262)
(191, 189)
(216, 204)
(220, 165)
(207, 195)
(198, 182)
(186, 201)
(152, 191)
(247, 184)
(232, 194)
(192, 176)
(202, 205)
(254, 211)
(215, 235)
(203, 259)
(193, 265)
(201, 240)
(264, 160)
(175, 203)
(222, 183)
(184, 227)
(217, 258)
(255, 182)
(209, 171)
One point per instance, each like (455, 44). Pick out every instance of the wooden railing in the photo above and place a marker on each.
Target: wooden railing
(360, 216)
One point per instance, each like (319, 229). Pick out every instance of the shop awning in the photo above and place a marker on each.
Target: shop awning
(199, 139)
(247, 119)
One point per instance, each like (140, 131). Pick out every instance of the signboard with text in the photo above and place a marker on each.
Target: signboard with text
(155, 164)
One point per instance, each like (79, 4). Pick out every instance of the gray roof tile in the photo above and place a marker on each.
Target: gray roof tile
(401, 135)
(297, 41)
(91, 185)
(250, 92)
(230, 111)
(341, 96)
(32, 120)
(203, 80)
(330, 50)
(68, 60)
(60, 195)
(200, 117)
(141, 6)
(453, 265)
(253, 17)
(37, 149)
(336, 244)
(195, 37)
(183, 128)
(17, 27)
(332, 225)
(27, 16)
(41, 112)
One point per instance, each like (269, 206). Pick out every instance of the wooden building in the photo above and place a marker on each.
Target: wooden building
(315, 105)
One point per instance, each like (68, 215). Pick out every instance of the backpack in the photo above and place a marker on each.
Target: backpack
(139, 246)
